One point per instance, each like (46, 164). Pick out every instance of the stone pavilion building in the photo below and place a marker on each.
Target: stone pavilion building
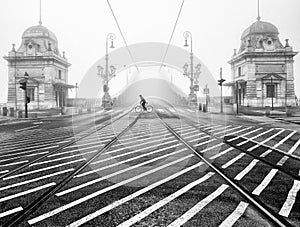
(262, 69)
(39, 56)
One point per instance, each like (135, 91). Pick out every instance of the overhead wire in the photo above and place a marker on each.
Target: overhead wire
(163, 60)
(122, 34)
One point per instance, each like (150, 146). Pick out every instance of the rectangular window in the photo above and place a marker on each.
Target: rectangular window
(271, 90)
(30, 93)
(239, 71)
(59, 74)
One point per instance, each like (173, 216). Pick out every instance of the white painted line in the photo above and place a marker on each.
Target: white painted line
(235, 215)
(23, 129)
(25, 152)
(57, 159)
(205, 142)
(254, 137)
(252, 131)
(230, 162)
(26, 192)
(192, 111)
(9, 212)
(290, 200)
(221, 153)
(4, 171)
(265, 182)
(115, 173)
(266, 140)
(164, 201)
(224, 128)
(134, 151)
(104, 190)
(285, 158)
(198, 207)
(35, 179)
(277, 145)
(210, 148)
(246, 170)
(172, 110)
(265, 153)
(239, 131)
(43, 169)
(228, 130)
(14, 163)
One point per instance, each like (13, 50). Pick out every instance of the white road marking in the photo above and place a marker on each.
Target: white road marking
(172, 110)
(26, 192)
(35, 179)
(284, 158)
(224, 129)
(246, 170)
(265, 153)
(210, 148)
(164, 201)
(290, 200)
(14, 163)
(43, 169)
(266, 140)
(115, 173)
(265, 182)
(236, 132)
(228, 130)
(221, 153)
(4, 171)
(198, 207)
(104, 190)
(235, 215)
(9, 212)
(250, 132)
(278, 144)
(254, 137)
(23, 129)
(230, 162)
(127, 160)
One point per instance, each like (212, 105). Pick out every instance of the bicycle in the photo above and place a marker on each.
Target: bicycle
(140, 108)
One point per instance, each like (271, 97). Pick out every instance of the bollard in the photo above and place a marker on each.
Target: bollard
(33, 115)
(4, 111)
(204, 108)
(11, 112)
(200, 106)
(288, 111)
(20, 114)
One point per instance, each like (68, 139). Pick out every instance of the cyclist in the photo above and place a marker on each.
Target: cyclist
(143, 102)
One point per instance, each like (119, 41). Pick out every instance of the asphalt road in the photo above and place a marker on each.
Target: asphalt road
(171, 167)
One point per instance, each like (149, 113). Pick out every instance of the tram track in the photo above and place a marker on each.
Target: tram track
(68, 144)
(275, 218)
(57, 186)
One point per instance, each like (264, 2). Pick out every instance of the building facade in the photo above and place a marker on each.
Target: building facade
(39, 56)
(262, 70)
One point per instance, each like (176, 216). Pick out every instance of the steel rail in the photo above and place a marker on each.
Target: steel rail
(91, 131)
(20, 217)
(276, 219)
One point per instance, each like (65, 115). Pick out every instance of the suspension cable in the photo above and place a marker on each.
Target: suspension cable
(122, 35)
(162, 62)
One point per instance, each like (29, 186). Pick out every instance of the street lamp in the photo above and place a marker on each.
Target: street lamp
(193, 74)
(107, 75)
(24, 87)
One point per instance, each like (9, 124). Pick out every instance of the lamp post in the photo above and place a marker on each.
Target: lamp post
(107, 75)
(193, 76)
(26, 77)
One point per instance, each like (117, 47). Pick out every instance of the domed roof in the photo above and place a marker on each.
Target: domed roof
(260, 27)
(39, 31)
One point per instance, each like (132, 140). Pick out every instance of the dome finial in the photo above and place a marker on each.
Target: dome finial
(258, 17)
(40, 21)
